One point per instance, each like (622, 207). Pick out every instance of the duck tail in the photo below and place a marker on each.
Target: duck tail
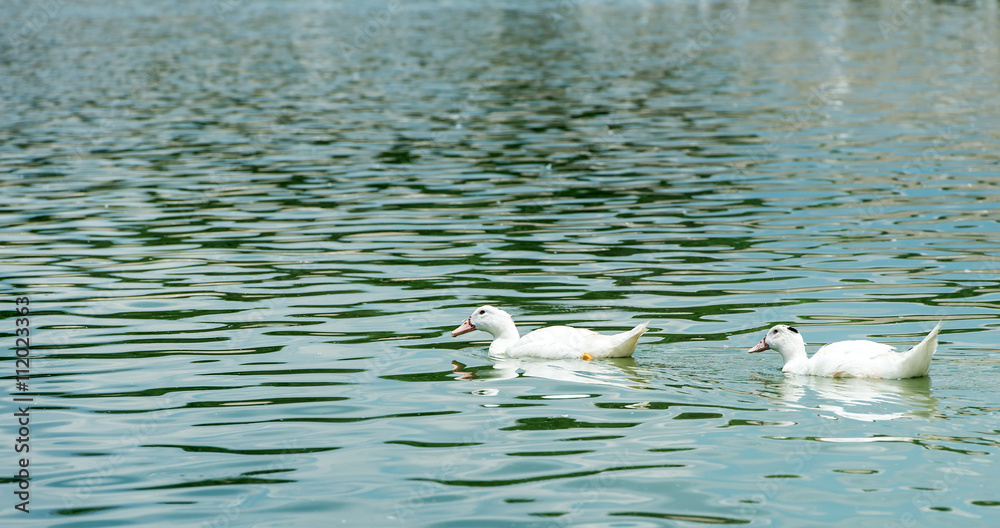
(629, 339)
(917, 360)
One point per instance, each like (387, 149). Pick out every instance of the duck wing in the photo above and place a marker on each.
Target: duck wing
(855, 359)
(554, 342)
(868, 359)
(558, 342)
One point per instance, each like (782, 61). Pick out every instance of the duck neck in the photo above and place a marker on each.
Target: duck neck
(507, 336)
(795, 357)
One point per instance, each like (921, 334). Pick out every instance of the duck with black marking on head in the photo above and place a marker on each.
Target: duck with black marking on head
(858, 359)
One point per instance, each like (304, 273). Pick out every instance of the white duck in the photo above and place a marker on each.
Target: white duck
(554, 342)
(857, 359)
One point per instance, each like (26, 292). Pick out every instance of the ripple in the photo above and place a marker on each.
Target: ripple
(244, 479)
(575, 474)
(701, 519)
(246, 228)
(556, 423)
(211, 449)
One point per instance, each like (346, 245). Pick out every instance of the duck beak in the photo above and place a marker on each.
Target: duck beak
(760, 347)
(467, 326)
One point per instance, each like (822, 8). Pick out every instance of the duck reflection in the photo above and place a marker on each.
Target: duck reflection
(858, 398)
(619, 372)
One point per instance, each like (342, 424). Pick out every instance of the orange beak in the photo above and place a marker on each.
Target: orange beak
(467, 326)
(760, 347)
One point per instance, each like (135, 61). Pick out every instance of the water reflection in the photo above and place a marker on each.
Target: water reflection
(242, 225)
(618, 372)
(857, 398)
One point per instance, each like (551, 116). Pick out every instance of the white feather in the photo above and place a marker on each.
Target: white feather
(554, 342)
(857, 359)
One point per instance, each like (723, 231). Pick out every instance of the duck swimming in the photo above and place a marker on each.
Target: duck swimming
(857, 359)
(554, 342)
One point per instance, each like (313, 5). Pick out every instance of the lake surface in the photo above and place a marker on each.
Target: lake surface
(246, 229)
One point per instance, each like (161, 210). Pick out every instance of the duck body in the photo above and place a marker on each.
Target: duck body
(857, 359)
(554, 342)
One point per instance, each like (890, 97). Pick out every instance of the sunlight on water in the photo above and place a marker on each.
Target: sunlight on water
(247, 228)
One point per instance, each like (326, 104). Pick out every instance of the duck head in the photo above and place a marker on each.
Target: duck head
(784, 339)
(489, 319)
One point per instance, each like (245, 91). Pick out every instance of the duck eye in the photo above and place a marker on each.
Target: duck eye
(793, 329)
(774, 331)
(481, 312)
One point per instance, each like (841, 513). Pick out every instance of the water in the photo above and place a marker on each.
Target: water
(246, 228)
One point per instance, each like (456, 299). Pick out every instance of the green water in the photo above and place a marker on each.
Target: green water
(246, 229)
